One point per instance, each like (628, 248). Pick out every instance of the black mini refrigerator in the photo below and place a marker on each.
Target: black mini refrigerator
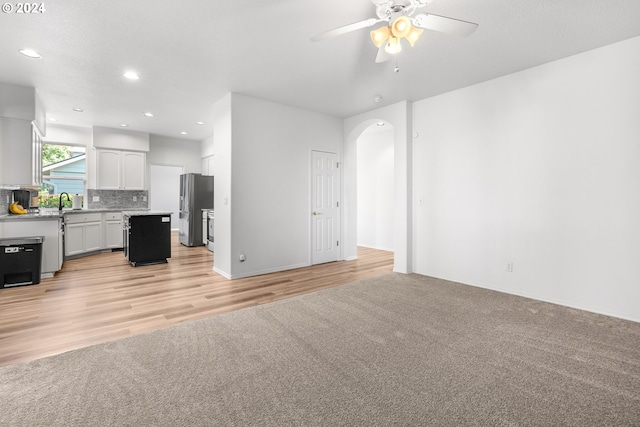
(147, 238)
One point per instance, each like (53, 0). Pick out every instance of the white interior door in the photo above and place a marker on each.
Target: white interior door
(164, 190)
(325, 209)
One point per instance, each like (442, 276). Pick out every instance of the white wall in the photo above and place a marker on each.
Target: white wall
(120, 139)
(222, 185)
(74, 135)
(17, 102)
(375, 189)
(206, 147)
(167, 159)
(164, 191)
(174, 152)
(539, 168)
(270, 207)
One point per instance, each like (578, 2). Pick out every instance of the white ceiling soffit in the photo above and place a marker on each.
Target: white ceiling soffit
(190, 54)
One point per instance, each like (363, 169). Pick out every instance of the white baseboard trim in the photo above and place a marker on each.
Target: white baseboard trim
(375, 247)
(533, 295)
(222, 273)
(259, 272)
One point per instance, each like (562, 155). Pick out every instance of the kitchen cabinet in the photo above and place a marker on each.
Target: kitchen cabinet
(113, 230)
(83, 233)
(207, 165)
(36, 157)
(50, 229)
(19, 152)
(21, 120)
(133, 170)
(120, 170)
(108, 169)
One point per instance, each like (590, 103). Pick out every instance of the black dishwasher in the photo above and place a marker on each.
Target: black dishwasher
(147, 238)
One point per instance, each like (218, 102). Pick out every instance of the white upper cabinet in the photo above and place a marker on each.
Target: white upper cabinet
(108, 169)
(133, 170)
(207, 165)
(16, 152)
(20, 150)
(120, 170)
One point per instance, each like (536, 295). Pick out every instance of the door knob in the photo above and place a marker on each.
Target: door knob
(317, 213)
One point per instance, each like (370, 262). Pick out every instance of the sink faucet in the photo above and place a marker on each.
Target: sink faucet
(60, 201)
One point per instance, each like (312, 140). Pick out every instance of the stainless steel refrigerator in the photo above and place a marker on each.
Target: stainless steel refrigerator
(196, 193)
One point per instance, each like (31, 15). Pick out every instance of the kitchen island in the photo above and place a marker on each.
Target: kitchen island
(146, 237)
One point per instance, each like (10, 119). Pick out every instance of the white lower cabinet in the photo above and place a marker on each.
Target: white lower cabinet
(83, 233)
(73, 239)
(91, 232)
(49, 228)
(113, 230)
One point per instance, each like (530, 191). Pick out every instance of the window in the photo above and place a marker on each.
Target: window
(63, 171)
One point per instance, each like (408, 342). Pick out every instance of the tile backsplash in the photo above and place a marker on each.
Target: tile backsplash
(5, 200)
(108, 199)
(117, 199)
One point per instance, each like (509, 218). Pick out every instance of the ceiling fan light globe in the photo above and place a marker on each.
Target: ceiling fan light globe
(379, 36)
(401, 27)
(414, 35)
(393, 45)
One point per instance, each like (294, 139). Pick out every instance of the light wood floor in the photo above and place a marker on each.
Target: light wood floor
(101, 297)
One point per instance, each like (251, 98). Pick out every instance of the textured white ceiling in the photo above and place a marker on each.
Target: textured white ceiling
(190, 54)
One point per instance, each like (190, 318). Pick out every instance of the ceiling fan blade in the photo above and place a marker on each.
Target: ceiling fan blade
(383, 55)
(345, 29)
(444, 24)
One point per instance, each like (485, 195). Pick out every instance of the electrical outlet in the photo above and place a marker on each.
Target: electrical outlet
(135, 198)
(510, 267)
(242, 258)
(96, 198)
(144, 198)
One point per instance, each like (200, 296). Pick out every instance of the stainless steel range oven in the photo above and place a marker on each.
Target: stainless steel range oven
(210, 218)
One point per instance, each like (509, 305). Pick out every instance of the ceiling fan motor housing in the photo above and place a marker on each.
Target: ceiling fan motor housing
(391, 9)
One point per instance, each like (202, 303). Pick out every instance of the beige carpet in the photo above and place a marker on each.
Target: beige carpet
(396, 350)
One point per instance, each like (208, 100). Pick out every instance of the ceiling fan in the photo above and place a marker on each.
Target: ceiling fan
(402, 22)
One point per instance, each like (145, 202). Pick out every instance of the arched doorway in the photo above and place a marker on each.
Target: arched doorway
(375, 178)
(399, 115)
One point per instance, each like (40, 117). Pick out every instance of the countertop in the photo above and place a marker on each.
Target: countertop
(145, 213)
(31, 217)
(55, 214)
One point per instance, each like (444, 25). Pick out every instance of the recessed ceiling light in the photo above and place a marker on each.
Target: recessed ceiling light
(380, 123)
(183, 133)
(377, 99)
(124, 125)
(30, 53)
(148, 114)
(52, 119)
(78, 110)
(199, 123)
(132, 75)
